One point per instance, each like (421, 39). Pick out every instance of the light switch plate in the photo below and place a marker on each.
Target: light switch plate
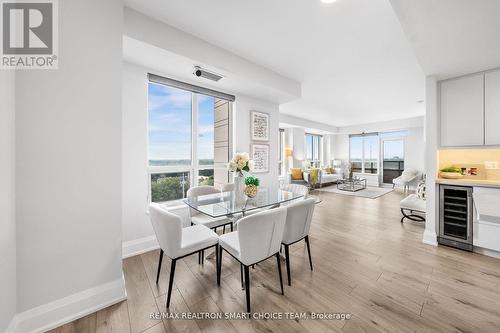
(491, 165)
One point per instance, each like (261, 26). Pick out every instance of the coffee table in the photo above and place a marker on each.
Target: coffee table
(351, 184)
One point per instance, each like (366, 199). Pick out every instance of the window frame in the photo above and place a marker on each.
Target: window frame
(363, 157)
(281, 158)
(319, 139)
(194, 168)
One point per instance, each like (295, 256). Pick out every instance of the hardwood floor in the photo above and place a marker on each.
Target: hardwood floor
(366, 263)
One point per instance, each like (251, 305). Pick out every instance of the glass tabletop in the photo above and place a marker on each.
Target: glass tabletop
(228, 203)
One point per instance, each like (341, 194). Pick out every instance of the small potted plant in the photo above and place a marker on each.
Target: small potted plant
(251, 185)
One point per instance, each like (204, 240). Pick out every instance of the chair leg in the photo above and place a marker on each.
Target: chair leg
(231, 227)
(309, 252)
(202, 257)
(159, 266)
(287, 260)
(279, 271)
(171, 281)
(247, 287)
(242, 278)
(224, 229)
(219, 263)
(199, 258)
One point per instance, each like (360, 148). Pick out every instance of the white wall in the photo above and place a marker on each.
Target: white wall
(138, 235)
(431, 146)
(68, 132)
(7, 200)
(134, 153)
(415, 149)
(299, 146)
(241, 133)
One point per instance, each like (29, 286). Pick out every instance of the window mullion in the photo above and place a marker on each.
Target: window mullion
(194, 139)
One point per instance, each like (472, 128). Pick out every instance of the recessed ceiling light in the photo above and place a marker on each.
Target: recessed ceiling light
(328, 1)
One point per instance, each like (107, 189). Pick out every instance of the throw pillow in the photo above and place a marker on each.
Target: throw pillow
(314, 176)
(420, 191)
(328, 170)
(296, 173)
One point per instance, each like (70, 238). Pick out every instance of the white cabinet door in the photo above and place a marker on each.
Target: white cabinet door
(462, 111)
(492, 107)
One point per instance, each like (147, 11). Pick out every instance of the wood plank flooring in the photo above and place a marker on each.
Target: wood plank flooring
(366, 263)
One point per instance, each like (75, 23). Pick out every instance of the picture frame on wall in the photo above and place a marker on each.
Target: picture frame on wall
(259, 126)
(260, 156)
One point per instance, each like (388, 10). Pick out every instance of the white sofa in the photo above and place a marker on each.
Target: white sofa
(326, 178)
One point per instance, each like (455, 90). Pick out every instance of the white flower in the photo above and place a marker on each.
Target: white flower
(231, 166)
(245, 157)
(241, 163)
(251, 165)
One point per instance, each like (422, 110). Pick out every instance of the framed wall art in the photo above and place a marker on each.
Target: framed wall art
(259, 126)
(260, 156)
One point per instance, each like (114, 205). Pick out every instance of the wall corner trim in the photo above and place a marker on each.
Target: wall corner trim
(430, 238)
(67, 309)
(139, 246)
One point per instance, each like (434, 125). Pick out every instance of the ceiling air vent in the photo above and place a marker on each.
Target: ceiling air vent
(200, 72)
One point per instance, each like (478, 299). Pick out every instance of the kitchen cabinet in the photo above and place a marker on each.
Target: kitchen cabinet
(486, 229)
(492, 107)
(462, 111)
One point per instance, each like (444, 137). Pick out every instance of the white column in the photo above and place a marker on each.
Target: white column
(431, 146)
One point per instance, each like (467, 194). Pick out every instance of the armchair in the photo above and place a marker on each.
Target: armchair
(407, 177)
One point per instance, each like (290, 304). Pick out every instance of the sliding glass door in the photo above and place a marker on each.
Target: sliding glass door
(393, 158)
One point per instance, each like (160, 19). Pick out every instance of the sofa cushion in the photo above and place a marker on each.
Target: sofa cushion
(296, 174)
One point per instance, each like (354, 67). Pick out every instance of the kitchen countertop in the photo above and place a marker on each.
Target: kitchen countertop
(470, 182)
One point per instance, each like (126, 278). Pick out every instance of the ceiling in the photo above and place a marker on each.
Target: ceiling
(452, 37)
(351, 57)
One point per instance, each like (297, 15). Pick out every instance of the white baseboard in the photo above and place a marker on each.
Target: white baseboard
(430, 238)
(139, 246)
(59, 312)
(487, 252)
(12, 325)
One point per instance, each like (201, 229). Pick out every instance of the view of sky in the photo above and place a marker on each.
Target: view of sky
(391, 148)
(170, 124)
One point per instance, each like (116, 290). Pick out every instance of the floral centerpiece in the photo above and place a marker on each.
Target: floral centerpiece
(239, 163)
(251, 186)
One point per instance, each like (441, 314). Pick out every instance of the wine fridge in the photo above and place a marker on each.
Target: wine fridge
(455, 216)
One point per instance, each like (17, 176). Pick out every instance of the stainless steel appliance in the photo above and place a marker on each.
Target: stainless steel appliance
(455, 216)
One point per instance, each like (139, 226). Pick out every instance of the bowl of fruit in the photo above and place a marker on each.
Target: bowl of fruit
(451, 173)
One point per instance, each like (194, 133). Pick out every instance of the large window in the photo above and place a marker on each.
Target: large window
(181, 140)
(364, 152)
(313, 148)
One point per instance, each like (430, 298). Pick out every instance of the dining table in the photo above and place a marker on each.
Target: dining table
(237, 205)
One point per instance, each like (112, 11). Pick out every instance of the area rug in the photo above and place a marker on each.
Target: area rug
(370, 192)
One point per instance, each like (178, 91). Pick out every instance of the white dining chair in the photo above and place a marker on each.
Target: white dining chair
(177, 242)
(203, 219)
(258, 238)
(198, 218)
(298, 222)
(296, 188)
(229, 187)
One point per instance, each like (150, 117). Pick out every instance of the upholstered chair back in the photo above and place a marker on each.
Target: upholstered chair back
(260, 234)
(168, 229)
(298, 220)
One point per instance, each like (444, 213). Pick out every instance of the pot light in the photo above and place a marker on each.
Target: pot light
(328, 1)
